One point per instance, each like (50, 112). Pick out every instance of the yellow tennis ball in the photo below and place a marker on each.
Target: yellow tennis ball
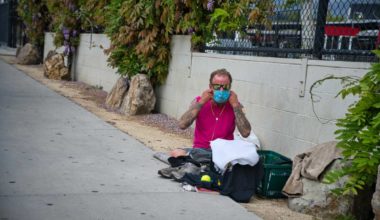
(206, 178)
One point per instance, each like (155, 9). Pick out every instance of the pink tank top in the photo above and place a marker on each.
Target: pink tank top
(213, 122)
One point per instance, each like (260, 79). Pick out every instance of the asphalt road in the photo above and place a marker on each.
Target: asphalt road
(59, 161)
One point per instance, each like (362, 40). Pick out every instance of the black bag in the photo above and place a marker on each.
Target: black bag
(239, 182)
(181, 160)
(195, 179)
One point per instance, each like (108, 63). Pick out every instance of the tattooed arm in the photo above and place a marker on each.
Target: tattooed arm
(190, 115)
(241, 121)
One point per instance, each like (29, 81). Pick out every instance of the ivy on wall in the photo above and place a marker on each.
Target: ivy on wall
(140, 31)
(139, 38)
(71, 17)
(65, 23)
(35, 17)
(93, 13)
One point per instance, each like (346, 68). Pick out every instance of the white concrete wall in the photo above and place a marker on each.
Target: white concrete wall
(91, 62)
(269, 88)
(49, 45)
(92, 66)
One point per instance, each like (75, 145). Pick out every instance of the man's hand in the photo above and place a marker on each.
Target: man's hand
(233, 99)
(206, 95)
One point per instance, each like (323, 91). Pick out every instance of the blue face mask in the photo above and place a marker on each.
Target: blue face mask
(221, 96)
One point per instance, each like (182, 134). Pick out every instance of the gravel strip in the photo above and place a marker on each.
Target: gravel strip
(163, 122)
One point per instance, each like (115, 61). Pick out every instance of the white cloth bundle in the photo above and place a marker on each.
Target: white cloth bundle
(251, 138)
(234, 152)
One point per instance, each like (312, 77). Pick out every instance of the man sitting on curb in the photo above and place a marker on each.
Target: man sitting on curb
(216, 113)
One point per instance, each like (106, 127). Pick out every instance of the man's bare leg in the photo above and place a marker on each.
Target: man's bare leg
(178, 153)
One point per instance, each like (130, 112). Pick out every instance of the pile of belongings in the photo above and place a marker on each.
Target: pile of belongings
(234, 170)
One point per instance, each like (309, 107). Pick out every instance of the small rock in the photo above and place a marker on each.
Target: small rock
(140, 98)
(18, 51)
(28, 55)
(116, 96)
(50, 54)
(54, 67)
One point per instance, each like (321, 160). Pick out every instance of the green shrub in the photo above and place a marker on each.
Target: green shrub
(65, 23)
(359, 134)
(93, 12)
(139, 38)
(140, 31)
(35, 18)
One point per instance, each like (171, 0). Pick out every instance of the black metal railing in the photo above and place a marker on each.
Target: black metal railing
(11, 27)
(4, 21)
(318, 29)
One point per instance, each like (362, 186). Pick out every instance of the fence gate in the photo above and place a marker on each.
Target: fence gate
(11, 31)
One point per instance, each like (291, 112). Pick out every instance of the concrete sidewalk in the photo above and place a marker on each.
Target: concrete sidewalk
(58, 161)
(7, 51)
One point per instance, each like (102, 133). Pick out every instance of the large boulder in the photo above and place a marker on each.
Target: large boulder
(376, 197)
(140, 98)
(317, 199)
(116, 95)
(28, 55)
(54, 67)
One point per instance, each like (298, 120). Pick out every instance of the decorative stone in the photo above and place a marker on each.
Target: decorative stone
(376, 197)
(50, 54)
(54, 67)
(317, 199)
(140, 98)
(28, 55)
(18, 51)
(116, 95)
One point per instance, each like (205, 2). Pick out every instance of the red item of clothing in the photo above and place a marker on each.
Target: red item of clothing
(213, 122)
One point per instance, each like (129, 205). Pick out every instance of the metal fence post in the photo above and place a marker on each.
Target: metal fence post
(12, 22)
(320, 28)
(9, 21)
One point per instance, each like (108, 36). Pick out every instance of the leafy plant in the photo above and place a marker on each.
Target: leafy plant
(139, 38)
(35, 18)
(140, 31)
(66, 24)
(222, 18)
(70, 17)
(359, 134)
(346, 217)
(93, 17)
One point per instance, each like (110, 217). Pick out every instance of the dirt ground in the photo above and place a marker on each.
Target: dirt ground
(157, 131)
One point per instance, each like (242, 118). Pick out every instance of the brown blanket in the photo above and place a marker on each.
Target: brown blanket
(311, 165)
